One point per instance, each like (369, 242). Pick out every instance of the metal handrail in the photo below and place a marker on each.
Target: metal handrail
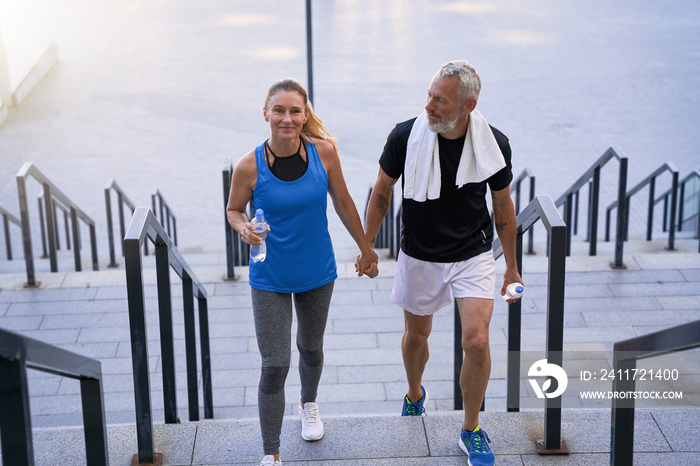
(515, 186)
(121, 200)
(593, 173)
(144, 225)
(385, 235)
(625, 356)
(164, 213)
(17, 354)
(51, 192)
(541, 208)
(237, 252)
(651, 182)
(694, 175)
(44, 227)
(8, 218)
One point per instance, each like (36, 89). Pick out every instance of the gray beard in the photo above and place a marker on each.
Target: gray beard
(443, 127)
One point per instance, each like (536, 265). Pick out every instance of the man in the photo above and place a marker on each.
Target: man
(447, 157)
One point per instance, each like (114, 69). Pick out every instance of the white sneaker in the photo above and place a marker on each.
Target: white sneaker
(311, 425)
(269, 460)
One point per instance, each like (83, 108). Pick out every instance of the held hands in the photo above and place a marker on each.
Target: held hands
(510, 275)
(367, 264)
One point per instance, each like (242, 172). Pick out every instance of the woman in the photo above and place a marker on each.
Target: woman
(289, 177)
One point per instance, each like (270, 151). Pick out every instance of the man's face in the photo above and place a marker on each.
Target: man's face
(444, 106)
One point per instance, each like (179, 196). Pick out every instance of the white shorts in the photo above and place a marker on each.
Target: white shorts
(423, 288)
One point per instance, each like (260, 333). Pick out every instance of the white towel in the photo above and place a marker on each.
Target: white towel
(481, 158)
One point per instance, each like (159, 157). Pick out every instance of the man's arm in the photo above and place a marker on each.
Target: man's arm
(378, 206)
(506, 229)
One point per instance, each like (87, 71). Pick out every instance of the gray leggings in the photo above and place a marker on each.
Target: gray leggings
(273, 329)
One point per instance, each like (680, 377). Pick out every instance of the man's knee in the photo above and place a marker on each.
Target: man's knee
(476, 342)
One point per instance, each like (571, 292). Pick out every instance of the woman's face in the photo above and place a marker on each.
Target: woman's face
(286, 114)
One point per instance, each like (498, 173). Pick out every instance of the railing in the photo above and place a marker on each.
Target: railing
(651, 182)
(8, 218)
(121, 200)
(541, 208)
(51, 193)
(693, 177)
(237, 252)
(17, 354)
(44, 227)
(162, 212)
(515, 186)
(625, 356)
(386, 235)
(567, 200)
(144, 225)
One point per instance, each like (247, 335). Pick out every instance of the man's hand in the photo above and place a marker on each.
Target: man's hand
(511, 275)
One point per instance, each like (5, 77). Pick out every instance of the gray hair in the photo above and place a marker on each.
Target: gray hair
(469, 81)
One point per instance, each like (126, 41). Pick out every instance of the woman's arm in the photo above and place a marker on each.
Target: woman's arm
(242, 185)
(345, 208)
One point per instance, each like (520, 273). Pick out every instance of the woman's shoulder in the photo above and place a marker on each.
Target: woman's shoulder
(246, 164)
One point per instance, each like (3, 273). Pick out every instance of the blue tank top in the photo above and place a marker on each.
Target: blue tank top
(299, 249)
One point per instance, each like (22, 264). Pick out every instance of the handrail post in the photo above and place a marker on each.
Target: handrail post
(458, 359)
(555, 330)
(190, 348)
(621, 215)
(568, 212)
(228, 229)
(8, 240)
(531, 231)
(94, 421)
(650, 208)
(593, 226)
(110, 229)
(139, 350)
(76, 239)
(207, 388)
(50, 228)
(680, 207)
(166, 333)
(514, 338)
(674, 203)
(15, 418)
(622, 422)
(26, 231)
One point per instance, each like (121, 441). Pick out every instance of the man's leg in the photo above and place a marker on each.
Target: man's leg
(475, 314)
(414, 347)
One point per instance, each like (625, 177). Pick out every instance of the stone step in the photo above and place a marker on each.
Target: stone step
(662, 436)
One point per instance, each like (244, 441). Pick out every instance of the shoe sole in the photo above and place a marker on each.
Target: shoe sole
(313, 439)
(463, 447)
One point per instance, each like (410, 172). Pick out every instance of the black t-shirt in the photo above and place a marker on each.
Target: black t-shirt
(457, 225)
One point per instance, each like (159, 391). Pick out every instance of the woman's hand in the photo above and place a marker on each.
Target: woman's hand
(248, 236)
(367, 264)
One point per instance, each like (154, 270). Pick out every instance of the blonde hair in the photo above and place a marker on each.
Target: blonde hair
(314, 126)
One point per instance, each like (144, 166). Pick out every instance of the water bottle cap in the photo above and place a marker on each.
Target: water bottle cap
(259, 214)
(519, 289)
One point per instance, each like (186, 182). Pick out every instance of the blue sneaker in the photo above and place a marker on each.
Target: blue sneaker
(414, 409)
(475, 444)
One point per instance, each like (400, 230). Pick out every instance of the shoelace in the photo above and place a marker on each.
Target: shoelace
(477, 440)
(311, 415)
(414, 408)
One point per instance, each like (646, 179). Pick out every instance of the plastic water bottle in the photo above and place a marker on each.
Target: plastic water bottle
(259, 253)
(513, 291)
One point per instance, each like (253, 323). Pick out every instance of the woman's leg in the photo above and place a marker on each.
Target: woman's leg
(312, 315)
(273, 327)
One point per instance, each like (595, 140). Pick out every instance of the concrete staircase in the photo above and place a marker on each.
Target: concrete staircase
(363, 379)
